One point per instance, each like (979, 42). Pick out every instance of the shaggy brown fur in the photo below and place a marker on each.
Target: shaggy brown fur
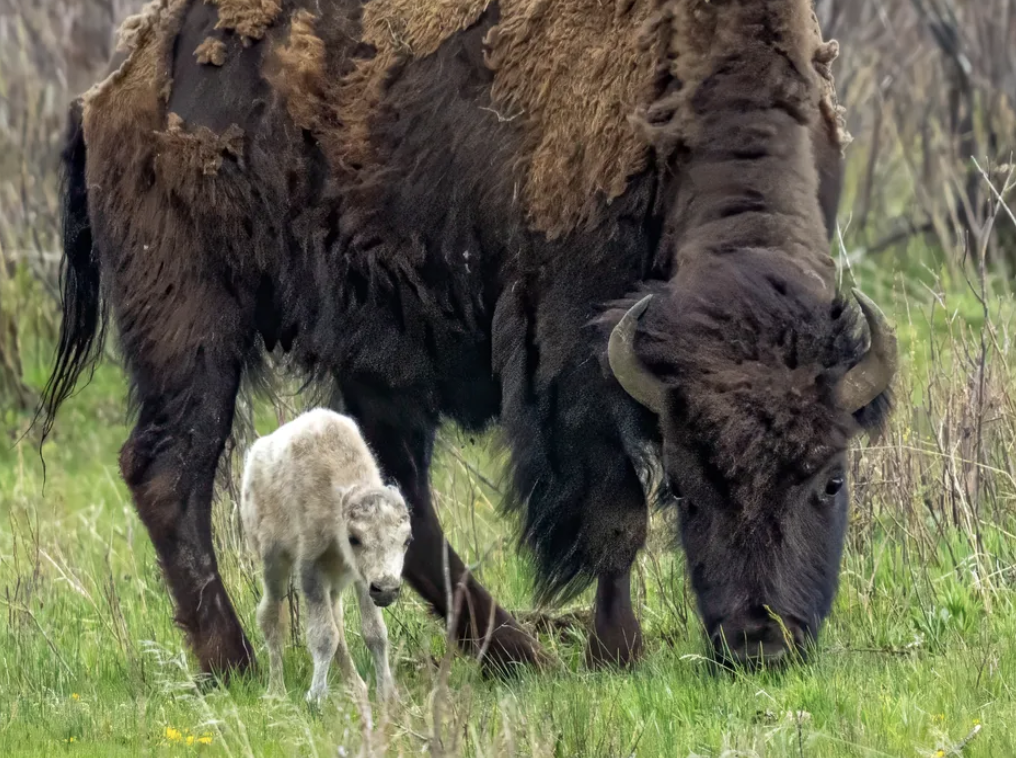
(250, 19)
(832, 111)
(211, 52)
(698, 33)
(145, 44)
(553, 71)
(419, 28)
(398, 31)
(298, 71)
(574, 72)
(198, 153)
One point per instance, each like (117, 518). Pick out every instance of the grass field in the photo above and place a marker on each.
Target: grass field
(918, 659)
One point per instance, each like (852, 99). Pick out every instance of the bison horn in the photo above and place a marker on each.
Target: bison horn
(872, 376)
(633, 377)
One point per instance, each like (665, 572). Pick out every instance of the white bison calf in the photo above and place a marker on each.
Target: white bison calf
(313, 500)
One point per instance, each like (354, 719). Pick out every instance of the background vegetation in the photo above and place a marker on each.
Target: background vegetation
(919, 658)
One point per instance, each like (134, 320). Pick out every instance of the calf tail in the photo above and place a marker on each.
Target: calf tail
(83, 325)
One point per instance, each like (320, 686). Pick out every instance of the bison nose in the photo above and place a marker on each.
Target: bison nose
(384, 594)
(759, 644)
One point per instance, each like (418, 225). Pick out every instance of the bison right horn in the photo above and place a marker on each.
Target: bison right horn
(629, 371)
(873, 375)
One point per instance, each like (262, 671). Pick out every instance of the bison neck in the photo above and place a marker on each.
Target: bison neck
(751, 186)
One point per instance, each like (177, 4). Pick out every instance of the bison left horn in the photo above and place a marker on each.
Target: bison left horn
(873, 375)
(629, 371)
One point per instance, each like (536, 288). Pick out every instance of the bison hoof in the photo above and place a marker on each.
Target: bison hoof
(225, 657)
(511, 651)
(614, 648)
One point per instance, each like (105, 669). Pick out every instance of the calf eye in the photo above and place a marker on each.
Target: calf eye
(833, 486)
(408, 540)
(354, 540)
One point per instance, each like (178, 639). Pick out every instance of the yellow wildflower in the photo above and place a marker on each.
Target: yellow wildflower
(75, 697)
(71, 739)
(205, 739)
(977, 722)
(173, 735)
(190, 739)
(939, 753)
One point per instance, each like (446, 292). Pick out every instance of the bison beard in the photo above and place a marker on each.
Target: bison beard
(372, 209)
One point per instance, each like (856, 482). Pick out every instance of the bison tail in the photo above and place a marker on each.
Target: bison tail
(82, 329)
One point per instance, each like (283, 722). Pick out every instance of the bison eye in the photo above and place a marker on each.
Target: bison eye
(833, 486)
(354, 540)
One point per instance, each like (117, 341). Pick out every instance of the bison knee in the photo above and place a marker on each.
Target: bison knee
(153, 490)
(614, 537)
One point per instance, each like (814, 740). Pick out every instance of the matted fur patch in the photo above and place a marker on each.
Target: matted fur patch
(144, 48)
(249, 19)
(398, 30)
(211, 52)
(575, 72)
(199, 152)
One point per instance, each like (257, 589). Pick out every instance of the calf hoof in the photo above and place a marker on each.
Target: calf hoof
(620, 647)
(512, 650)
(389, 694)
(316, 697)
(276, 687)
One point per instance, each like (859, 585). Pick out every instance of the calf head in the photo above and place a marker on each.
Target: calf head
(758, 385)
(378, 528)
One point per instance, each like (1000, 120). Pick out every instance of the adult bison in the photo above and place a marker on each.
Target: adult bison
(604, 224)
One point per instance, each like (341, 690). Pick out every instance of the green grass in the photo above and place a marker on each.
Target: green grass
(919, 654)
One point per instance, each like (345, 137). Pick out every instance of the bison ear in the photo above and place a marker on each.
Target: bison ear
(628, 369)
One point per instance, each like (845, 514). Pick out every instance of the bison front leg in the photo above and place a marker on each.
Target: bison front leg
(616, 637)
(432, 567)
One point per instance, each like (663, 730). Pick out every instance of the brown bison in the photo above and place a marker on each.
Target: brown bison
(603, 224)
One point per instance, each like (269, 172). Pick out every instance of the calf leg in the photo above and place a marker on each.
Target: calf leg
(375, 634)
(481, 625)
(277, 567)
(346, 664)
(322, 631)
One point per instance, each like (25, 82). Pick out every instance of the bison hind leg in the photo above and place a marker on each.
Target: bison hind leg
(186, 349)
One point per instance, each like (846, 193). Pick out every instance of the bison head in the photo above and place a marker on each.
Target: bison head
(759, 384)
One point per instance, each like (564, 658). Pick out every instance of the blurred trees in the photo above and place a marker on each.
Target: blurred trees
(930, 91)
(49, 51)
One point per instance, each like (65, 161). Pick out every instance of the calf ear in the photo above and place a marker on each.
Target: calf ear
(347, 495)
